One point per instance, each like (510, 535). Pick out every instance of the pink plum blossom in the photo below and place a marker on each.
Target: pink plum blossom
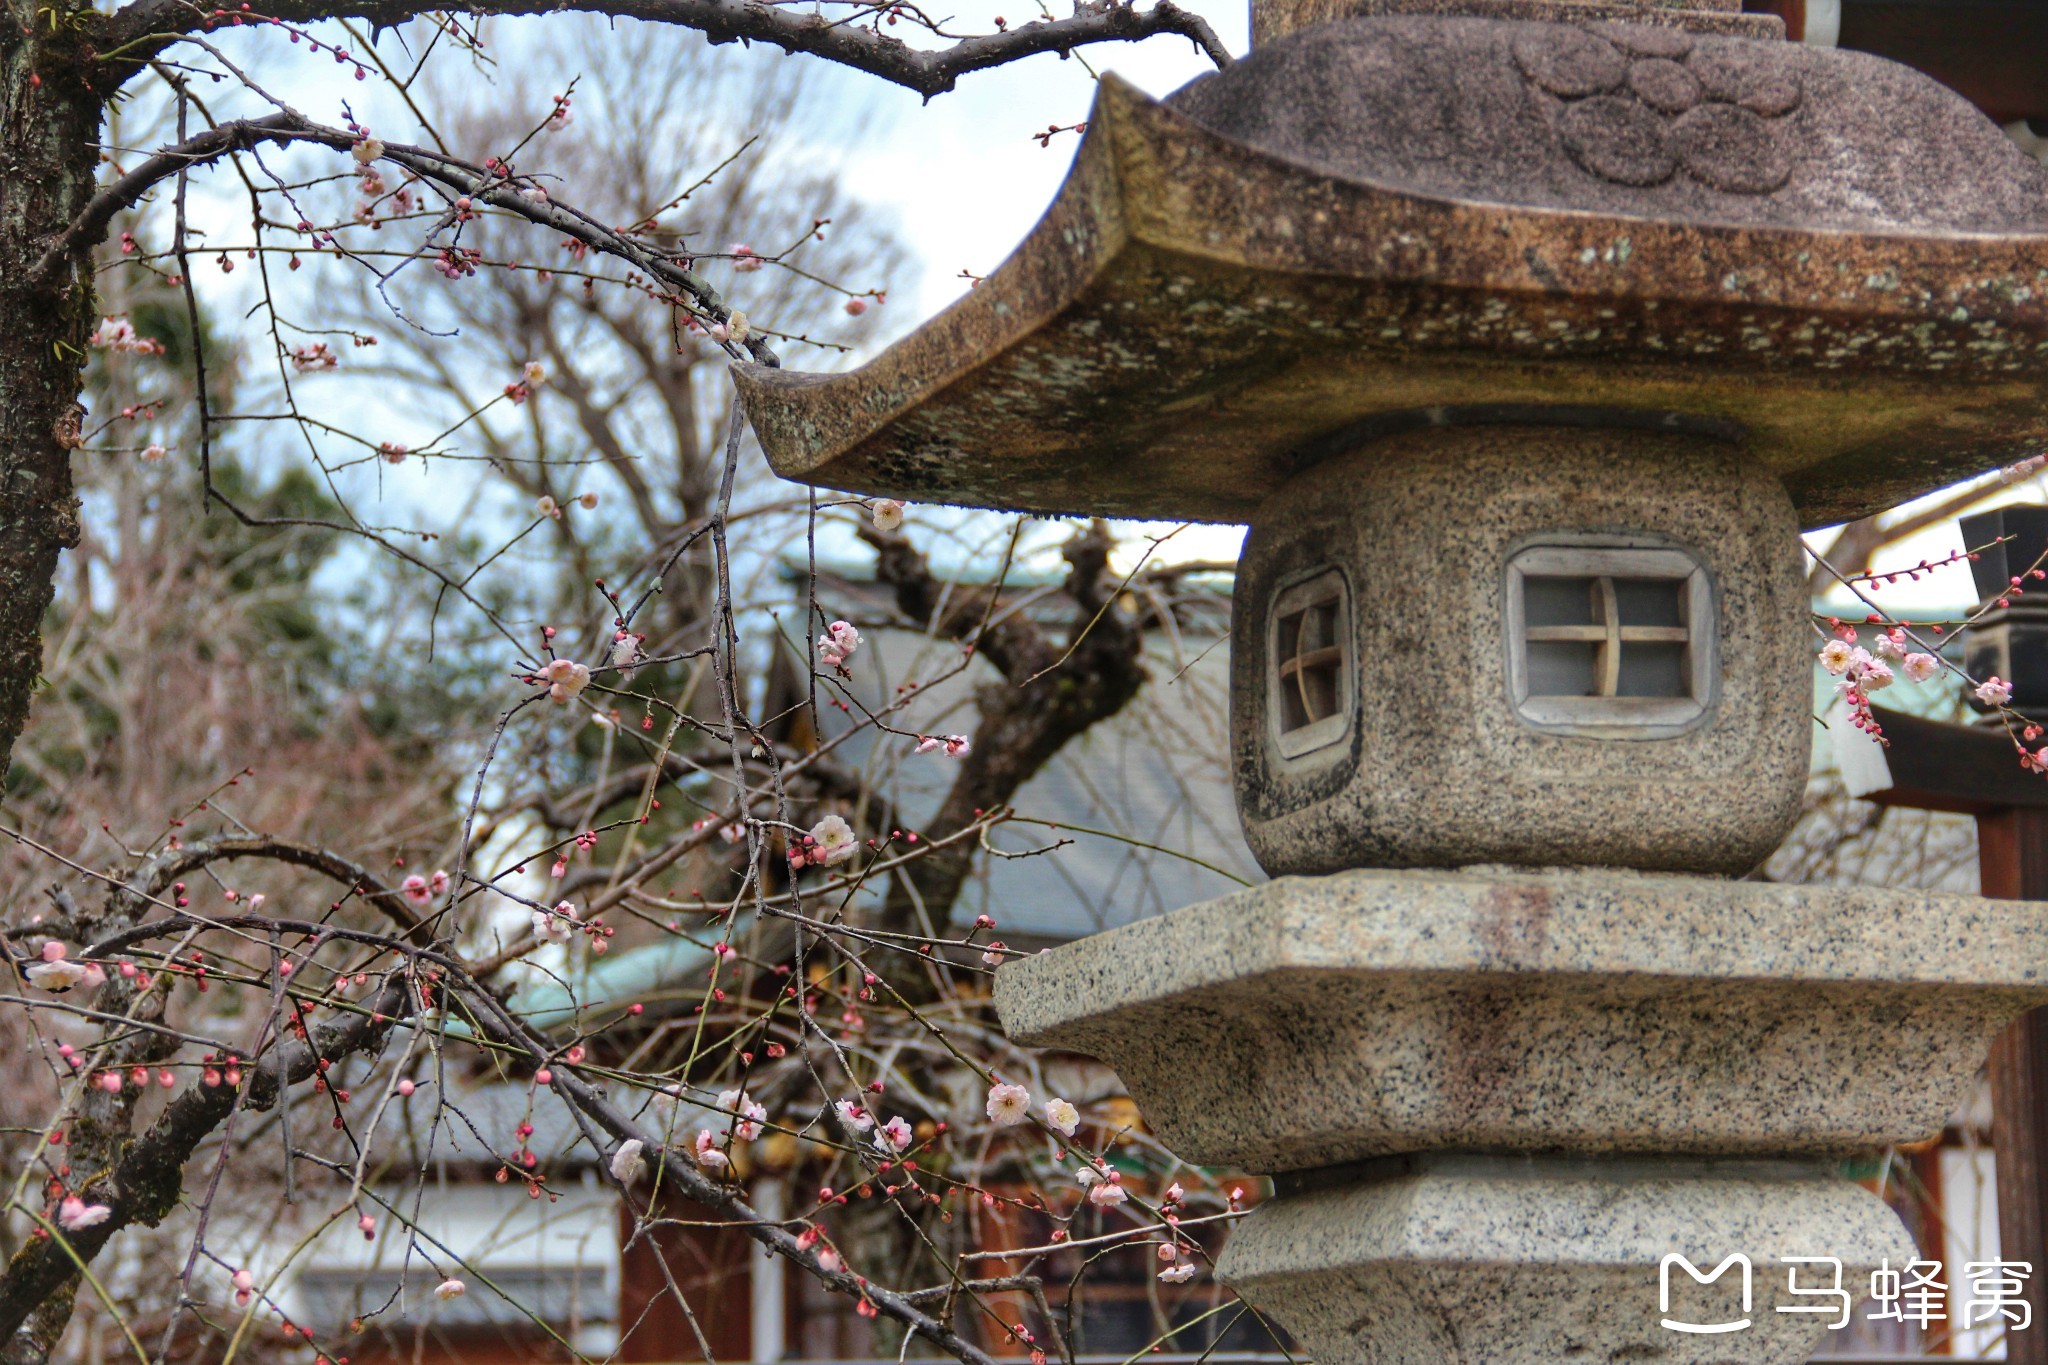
(1993, 692)
(557, 926)
(1008, 1105)
(565, 679)
(708, 1154)
(838, 644)
(75, 1215)
(752, 1115)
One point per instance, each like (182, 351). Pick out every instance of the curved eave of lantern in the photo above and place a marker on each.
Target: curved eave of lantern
(1194, 319)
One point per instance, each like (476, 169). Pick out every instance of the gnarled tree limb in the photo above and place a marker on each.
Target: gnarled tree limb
(139, 30)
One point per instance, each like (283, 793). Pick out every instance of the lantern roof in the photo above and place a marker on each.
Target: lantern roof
(1380, 224)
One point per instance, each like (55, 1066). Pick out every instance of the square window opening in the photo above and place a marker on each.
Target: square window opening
(1609, 638)
(1310, 684)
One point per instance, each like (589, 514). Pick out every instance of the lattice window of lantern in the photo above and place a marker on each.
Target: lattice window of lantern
(1310, 688)
(1612, 640)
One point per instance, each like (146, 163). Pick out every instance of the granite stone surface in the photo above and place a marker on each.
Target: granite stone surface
(1438, 767)
(1320, 1020)
(1276, 19)
(1478, 1261)
(1411, 220)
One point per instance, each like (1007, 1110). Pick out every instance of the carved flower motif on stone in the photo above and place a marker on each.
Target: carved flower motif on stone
(1641, 102)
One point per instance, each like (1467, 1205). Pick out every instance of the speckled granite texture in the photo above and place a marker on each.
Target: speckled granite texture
(1437, 769)
(1276, 19)
(1315, 1021)
(1463, 1261)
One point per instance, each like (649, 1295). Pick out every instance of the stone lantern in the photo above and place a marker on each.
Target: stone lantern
(1526, 335)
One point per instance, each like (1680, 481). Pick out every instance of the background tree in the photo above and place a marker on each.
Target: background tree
(500, 715)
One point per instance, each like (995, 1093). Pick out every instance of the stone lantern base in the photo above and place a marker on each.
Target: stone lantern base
(1496, 1100)
(1498, 1260)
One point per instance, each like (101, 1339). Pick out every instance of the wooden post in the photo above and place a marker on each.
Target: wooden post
(2012, 860)
(1972, 770)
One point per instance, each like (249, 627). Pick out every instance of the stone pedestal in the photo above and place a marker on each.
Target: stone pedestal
(1497, 1100)
(1491, 1260)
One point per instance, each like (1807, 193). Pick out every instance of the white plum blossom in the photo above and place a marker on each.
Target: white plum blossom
(752, 1115)
(668, 1102)
(1920, 667)
(75, 1215)
(366, 151)
(955, 746)
(57, 976)
(58, 973)
(1872, 675)
(565, 679)
(854, 1116)
(837, 644)
(547, 507)
(1836, 655)
(450, 1288)
(1107, 1193)
(1993, 692)
(1063, 1116)
(153, 452)
(556, 927)
(708, 1154)
(1008, 1105)
(895, 1135)
(833, 841)
(887, 513)
(745, 259)
(627, 1163)
(1178, 1274)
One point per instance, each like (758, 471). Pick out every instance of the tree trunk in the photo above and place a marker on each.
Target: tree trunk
(49, 126)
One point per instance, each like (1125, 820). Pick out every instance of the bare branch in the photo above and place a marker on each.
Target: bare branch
(140, 29)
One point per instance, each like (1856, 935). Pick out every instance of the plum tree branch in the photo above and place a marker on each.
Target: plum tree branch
(139, 30)
(460, 178)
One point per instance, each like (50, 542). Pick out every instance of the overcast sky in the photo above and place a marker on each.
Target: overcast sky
(966, 180)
